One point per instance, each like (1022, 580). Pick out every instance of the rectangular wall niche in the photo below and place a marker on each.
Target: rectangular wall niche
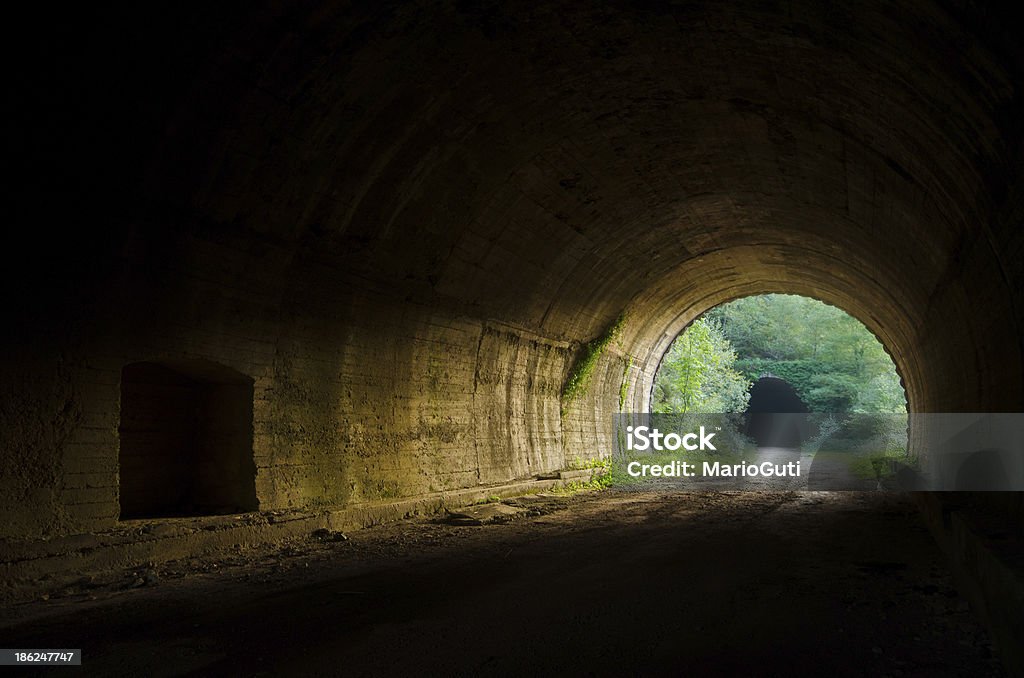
(186, 440)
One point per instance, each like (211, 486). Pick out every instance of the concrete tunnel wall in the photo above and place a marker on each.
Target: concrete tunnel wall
(402, 222)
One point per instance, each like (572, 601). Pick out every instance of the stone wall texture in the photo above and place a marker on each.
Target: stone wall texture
(402, 221)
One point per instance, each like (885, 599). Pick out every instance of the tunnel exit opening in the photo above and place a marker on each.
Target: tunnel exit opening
(796, 380)
(185, 440)
(777, 353)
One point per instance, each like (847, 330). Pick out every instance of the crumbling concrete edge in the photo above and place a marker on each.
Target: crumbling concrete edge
(988, 566)
(74, 556)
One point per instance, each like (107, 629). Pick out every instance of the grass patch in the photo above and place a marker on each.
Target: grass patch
(880, 465)
(581, 464)
(601, 478)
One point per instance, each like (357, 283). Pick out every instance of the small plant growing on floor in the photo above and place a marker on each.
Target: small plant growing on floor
(601, 478)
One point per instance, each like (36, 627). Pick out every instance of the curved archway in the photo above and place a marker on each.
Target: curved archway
(803, 339)
(648, 341)
(407, 242)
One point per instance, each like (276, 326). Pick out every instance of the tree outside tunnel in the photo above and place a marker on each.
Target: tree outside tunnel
(777, 353)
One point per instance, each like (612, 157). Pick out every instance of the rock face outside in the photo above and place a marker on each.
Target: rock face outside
(401, 225)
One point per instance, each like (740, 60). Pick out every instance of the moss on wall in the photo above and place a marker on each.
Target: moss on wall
(624, 388)
(583, 369)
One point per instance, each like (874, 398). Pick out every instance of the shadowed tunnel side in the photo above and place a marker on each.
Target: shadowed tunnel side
(403, 221)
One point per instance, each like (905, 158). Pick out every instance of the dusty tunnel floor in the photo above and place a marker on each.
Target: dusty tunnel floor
(612, 583)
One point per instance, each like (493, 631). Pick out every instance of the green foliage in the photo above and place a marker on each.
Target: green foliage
(697, 373)
(883, 393)
(826, 428)
(601, 478)
(832, 361)
(870, 446)
(583, 369)
(581, 464)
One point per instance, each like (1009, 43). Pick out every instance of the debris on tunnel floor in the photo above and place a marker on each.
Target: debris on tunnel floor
(485, 514)
(806, 579)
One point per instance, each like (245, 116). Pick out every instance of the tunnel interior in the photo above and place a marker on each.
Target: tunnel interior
(185, 441)
(411, 247)
(331, 256)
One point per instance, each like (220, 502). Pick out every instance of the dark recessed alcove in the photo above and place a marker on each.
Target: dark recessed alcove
(186, 440)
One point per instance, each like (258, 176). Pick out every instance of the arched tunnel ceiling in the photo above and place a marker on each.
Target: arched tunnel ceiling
(551, 165)
(573, 144)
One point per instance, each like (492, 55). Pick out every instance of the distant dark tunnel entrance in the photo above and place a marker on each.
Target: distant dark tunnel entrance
(770, 399)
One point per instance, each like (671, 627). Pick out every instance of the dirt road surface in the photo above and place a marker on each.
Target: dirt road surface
(610, 583)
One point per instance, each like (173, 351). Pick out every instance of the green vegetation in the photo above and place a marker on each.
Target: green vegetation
(697, 373)
(830, 358)
(601, 479)
(583, 369)
(881, 465)
(868, 445)
(581, 464)
(624, 388)
(832, 361)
